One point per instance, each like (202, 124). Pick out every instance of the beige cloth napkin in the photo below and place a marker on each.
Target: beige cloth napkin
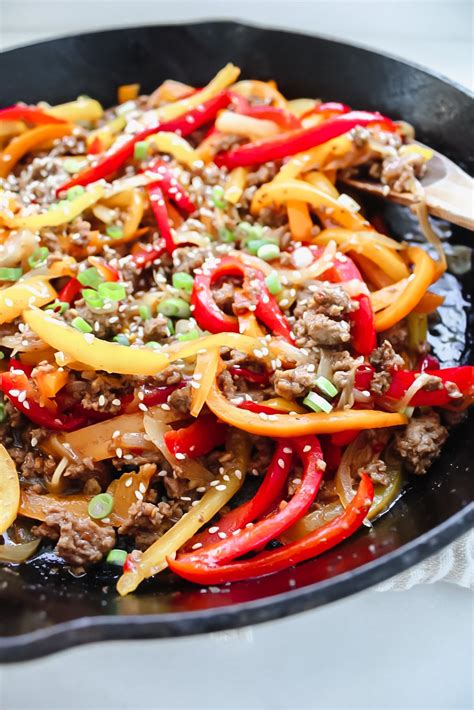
(454, 564)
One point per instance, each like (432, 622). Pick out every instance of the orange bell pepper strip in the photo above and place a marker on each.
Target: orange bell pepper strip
(300, 220)
(421, 279)
(287, 425)
(127, 92)
(24, 143)
(49, 383)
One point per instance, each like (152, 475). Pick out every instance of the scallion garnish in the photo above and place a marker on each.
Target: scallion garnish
(9, 273)
(112, 291)
(75, 191)
(326, 386)
(144, 311)
(114, 231)
(100, 506)
(38, 257)
(273, 283)
(317, 403)
(226, 235)
(174, 308)
(268, 252)
(90, 277)
(183, 281)
(140, 150)
(92, 298)
(81, 324)
(58, 307)
(189, 335)
(117, 557)
(218, 197)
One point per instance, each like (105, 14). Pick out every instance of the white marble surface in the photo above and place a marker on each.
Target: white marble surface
(374, 651)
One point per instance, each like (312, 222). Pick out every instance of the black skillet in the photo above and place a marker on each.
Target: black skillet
(42, 607)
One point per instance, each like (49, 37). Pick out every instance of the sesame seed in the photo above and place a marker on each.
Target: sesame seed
(166, 407)
(138, 495)
(116, 402)
(196, 546)
(102, 400)
(195, 385)
(222, 535)
(119, 452)
(263, 416)
(306, 449)
(143, 407)
(34, 441)
(128, 482)
(180, 456)
(201, 489)
(116, 434)
(281, 463)
(22, 396)
(214, 483)
(163, 473)
(287, 450)
(26, 405)
(221, 487)
(142, 488)
(214, 529)
(238, 474)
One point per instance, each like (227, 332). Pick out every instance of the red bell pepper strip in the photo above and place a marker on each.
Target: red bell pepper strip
(258, 408)
(149, 397)
(95, 147)
(146, 257)
(183, 125)
(363, 377)
(363, 334)
(314, 543)
(332, 454)
(158, 205)
(28, 114)
(344, 438)
(210, 317)
(282, 118)
(259, 534)
(429, 362)
(463, 377)
(257, 378)
(197, 439)
(70, 291)
(171, 187)
(14, 385)
(286, 144)
(268, 495)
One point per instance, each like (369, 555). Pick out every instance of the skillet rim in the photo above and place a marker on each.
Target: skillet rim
(92, 629)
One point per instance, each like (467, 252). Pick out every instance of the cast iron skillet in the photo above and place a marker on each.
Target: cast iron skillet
(44, 609)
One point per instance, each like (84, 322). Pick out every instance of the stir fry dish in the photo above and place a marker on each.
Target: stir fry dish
(211, 361)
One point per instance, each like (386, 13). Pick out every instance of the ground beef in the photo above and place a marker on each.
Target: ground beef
(293, 383)
(156, 328)
(81, 541)
(102, 392)
(233, 357)
(380, 383)
(342, 363)
(224, 294)
(399, 172)
(377, 470)
(227, 384)
(264, 173)
(397, 336)
(147, 522)
(89, 470)
(385, 358)
(105, 324)
(31, 180)
(34, 465)
(317, 329)
(171, 376)
(180, 399)
(188, 260)
(319, 316)
(421, 441)
(261, 455)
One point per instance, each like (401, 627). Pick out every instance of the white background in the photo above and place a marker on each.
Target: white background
(378, 651)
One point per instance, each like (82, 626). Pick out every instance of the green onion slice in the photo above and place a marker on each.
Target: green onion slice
(112, 291)
(317, 403)
(273, 283)
(10, 273)
(100, 506)
(183, 281)
(174, 308)
(116, 557)
(38, 257)
(268, 252)
(81, 324)
(325, 386)
(90, 277)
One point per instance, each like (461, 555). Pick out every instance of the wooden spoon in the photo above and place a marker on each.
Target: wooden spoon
(449, 191)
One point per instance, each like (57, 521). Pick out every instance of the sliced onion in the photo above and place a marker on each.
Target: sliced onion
(55, 483)
(432, 238)
(191, 469)
(418, 384)
(18, 247)
(16, 553)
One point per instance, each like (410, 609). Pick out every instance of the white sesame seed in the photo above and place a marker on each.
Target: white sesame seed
(180, 456)
(142, 407)
(22, 396)
(281, 463)
(142, 487)
(238, 474)
(163, 473)
(196, 546)
(201, 489)
(222, 535)
(34, 441)
(128, 482)
(263, 416)
(102, 400)
(166, 407)
(221, 487)
(138, 495)
(214, 529)
(287, 450)
(119, 452)
(26, 405)
(116, 402)
(195, 385)
(306, 449)
(116, 434)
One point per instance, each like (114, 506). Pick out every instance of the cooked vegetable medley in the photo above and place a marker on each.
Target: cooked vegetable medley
(187, 301)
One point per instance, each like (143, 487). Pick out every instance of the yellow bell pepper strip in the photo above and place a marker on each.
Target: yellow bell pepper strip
(299, 220)
(221, 81)
(346, 239)
(37, 506)
(154, 559)
(61, 214)
(280, 193)
(385, 296)
(321, 182)
(248, 325)
(24, 143)
(235, 185)
(281, 425)
(105, 135)
(315, 158)
(262, 90)
(9, 490)
(127, 92)
(83, 109)
(417, 285)
(300, 107)
(265, 563)
(178, 147)
(204, 375)
(86, 348)
(134, 215)
(22, 295)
